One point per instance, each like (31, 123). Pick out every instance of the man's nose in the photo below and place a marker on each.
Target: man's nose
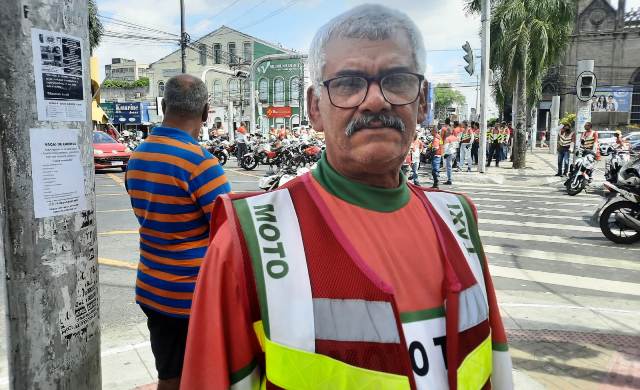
(375, 101)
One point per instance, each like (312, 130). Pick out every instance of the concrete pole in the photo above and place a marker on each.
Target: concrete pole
(555, 122)
(583, 111)
(252, 77)
(50, 263)
(534, 127)
(484, 85)
(232, 133)
(183, 39)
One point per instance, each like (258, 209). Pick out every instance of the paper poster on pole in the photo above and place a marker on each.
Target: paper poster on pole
(56, 171)
(58, 71)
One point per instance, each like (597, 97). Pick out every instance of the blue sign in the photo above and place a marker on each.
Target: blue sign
(128, 113)
(612, 99)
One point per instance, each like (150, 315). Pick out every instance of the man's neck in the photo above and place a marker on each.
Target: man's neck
(191, 127)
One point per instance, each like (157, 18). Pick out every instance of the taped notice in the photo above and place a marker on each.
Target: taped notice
(58, 71)
(56, 170)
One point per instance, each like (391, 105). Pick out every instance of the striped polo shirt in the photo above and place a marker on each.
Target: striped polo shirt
(172, 182)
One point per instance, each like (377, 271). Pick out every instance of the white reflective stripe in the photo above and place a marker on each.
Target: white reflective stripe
(284, 265)
(472, 308)
(502, 371)
(451, 211)
(250, 382)
(355, 320)
(427, 337)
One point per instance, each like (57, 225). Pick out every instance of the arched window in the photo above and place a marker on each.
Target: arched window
(263, 87)
(217, 91)
(294, 91)
(234, 88)
(295, 120)
(246, 89)
(278, 91)
(161, 89)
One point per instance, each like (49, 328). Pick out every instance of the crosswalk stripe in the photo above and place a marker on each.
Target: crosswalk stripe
(527, 190)
(505, 186)
(549, 239)
(525, 195)
(601, 285)
(540, 225)
(563, 257)
(590, 204)
(553, 210)
(526, 215)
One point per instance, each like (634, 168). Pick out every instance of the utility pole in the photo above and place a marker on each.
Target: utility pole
(183, 38)
(585, 89)
(484, 85)
(47, 197)
(553, 127)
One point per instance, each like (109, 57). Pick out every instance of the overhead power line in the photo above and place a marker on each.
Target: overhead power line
(135, 25)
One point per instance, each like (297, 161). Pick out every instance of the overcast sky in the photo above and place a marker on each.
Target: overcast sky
(292, 23)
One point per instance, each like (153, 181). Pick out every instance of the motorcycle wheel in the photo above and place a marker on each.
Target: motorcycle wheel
(222, 158)
(575, 189)
(249, 163)
(608, 226)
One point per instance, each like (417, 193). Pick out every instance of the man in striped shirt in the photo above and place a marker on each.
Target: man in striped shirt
(173, 182)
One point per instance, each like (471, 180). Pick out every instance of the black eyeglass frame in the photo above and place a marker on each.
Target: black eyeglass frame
(378, 79)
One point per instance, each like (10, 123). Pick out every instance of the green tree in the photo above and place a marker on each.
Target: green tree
(527, 37)
(445, 97)
(95, 26)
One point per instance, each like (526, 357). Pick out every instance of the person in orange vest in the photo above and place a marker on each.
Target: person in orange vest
(450, 149)
(467, 138)
(589, 139)
(349, 277)
(438, 149)
(493, 139)
(566, 138)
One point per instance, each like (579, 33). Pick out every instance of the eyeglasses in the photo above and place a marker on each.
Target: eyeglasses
(398, 89)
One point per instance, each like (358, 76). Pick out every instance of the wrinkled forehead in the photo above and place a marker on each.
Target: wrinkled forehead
(368, 56)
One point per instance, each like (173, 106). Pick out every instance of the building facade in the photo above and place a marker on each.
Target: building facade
(611, 37)
(225, 51)
(123, 69)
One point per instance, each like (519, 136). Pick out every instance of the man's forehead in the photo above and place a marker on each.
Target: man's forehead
(368, 56)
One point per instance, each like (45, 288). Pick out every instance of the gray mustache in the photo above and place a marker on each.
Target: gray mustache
(365, 121)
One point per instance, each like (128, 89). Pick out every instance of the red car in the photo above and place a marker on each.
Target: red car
(109, 153)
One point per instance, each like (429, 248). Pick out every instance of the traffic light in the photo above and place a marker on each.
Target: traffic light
(586, 86)
(468, 57)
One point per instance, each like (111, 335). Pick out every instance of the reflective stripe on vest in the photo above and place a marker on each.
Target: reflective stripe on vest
(465, 137)
(565, 141)
(475, 369)
(280, 268)
(291, 368)
(454, 215)
(589, 141)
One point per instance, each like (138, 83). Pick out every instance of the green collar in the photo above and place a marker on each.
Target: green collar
(358, 194)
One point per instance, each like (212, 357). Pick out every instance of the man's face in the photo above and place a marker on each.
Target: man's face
(373, 148)
(587, 126)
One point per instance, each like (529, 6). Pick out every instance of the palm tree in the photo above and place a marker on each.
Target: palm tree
(527, 37)
(95, 26)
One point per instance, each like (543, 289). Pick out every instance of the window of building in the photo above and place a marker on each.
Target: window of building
(295, 120)
(246, 56)
(217, 52)
(245, 85)
(263, 88)
(635, 98)
(217, 91)
(234, 89)
(203, 53)
(232, 53)
(294, 91)
(278, 91)
(161, 89)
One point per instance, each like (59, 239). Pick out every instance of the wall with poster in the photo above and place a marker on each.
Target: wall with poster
(612, 99)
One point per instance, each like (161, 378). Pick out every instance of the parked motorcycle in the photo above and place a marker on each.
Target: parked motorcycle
(264, 155)
(617, 159)
(619, 216)
(581, 172)
(284, 175)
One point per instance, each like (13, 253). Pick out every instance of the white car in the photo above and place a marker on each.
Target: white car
(632, 137)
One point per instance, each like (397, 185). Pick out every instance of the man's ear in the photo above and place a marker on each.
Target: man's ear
(313, 109)
(205, 112)
(423, 108)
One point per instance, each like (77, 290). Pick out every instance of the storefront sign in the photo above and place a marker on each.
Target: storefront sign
(128, 113)
(279, 112)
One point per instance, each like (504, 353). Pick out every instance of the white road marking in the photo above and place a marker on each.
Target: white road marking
(511, 195)
(601, 285)
(569, 307)
(540, 225)
(549, 239)
(525, 215)
(544, 202)
(563, 257)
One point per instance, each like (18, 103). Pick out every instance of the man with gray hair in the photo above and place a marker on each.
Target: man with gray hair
(173, 182)
(349, 277)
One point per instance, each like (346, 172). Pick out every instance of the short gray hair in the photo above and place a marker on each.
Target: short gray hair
(367, 21)
(185, 95)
